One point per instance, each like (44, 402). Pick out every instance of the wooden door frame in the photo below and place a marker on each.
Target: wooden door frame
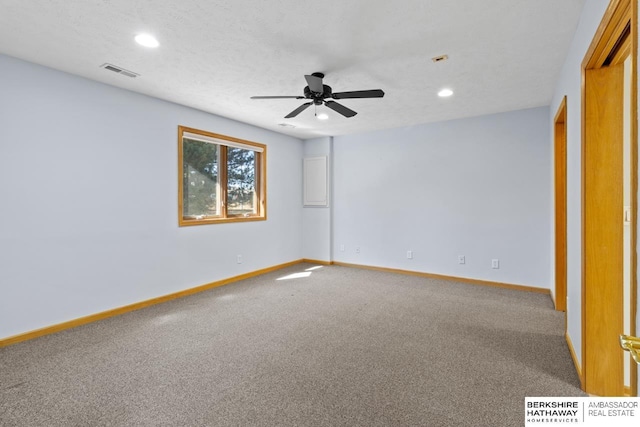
(560, 191)
(620, 16)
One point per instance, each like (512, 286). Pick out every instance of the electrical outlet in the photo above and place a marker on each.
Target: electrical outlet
(341, 248)
(495, 263)
(357, 249)
(461, 259)
(239, 259)
(410, 254)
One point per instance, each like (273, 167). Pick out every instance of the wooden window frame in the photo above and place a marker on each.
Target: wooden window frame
(224, 142)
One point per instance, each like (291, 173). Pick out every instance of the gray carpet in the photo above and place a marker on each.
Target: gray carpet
(341, 347)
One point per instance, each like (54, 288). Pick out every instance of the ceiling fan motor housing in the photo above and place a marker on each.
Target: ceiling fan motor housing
(317, 97)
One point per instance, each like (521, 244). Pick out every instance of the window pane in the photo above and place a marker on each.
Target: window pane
(200, 179)
(241, 182)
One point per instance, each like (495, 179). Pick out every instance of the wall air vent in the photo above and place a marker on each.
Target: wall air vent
(119, 70)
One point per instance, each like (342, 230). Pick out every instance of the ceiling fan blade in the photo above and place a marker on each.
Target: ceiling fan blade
(373, 93)
(315, 83)
(339, 108)
(277, 97)
(298, 110)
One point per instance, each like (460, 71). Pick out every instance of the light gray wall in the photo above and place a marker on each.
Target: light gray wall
(477, 187)
(88, 183)
(316, 221)
(569, 84)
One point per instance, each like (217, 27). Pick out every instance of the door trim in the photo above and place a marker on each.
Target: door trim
(634, 187)
(560, 186)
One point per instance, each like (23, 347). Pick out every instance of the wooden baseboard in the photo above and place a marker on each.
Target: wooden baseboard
(452, 278)
(317, 261)
(135, 306)
(575, 359)
(164, 298)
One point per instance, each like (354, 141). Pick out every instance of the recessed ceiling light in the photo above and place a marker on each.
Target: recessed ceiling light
(445, 92)
(147, 40)
(322, 116)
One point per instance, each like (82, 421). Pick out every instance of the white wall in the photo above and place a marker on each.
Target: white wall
(569, 84)
(316, 221)
(88, 183)
(477, 187)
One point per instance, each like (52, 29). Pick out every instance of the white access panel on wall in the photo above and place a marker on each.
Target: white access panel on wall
(315, 184)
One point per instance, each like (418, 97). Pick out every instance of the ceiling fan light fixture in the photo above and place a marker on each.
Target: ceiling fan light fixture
(147, 40)
(444, 93)
(322, 116)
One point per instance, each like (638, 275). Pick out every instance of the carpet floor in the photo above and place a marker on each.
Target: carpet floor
(330, 346)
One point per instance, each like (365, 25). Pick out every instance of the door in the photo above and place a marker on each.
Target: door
(603, 231)
(609, 201)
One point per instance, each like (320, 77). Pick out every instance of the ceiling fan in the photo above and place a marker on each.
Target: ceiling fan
(318, 92)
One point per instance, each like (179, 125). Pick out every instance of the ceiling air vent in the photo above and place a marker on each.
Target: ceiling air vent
(119, 70)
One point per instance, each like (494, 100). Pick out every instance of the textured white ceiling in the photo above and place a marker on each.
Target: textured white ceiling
(213, 55)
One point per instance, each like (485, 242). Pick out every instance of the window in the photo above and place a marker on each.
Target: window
(221, 179)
